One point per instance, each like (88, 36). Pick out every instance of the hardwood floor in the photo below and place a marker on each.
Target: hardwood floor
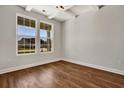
(61, 75)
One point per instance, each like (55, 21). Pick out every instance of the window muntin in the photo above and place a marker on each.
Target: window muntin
(26, 29)
(45, 37)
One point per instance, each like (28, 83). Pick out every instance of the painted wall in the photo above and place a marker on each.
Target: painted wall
(96, 37)
(8, 57)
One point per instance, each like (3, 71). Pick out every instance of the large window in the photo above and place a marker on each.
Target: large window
(45, 37)
(27, 40)
(26, 29)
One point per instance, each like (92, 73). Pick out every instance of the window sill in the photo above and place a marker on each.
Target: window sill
(46, 52)
(26, 54)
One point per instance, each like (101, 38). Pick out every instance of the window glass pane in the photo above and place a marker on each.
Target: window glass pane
(20, 20)
(33, 23)
(21, 47)
(27, 22)
(45, 41)
(45, 26)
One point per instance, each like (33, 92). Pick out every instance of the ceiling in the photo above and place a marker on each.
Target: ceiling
(60, 12)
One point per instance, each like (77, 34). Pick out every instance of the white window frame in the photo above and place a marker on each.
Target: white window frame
(25, 16)
(52, 37)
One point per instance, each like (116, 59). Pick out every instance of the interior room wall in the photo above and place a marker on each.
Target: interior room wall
(8, 57)
(96, 37)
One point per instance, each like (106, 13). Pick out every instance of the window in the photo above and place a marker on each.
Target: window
(27, 38)
(45, 37)
(26, 29)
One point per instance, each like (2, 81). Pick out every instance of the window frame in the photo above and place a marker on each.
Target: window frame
(25, 16)
(52, 37)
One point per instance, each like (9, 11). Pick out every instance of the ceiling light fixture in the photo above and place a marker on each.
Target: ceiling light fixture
(60, 7)
(101, 6)
(43, 10)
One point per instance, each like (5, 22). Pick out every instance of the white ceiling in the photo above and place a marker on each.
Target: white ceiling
(69, 11)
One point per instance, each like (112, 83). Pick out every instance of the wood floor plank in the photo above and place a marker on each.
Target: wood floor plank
(61, 74)
(90, 80)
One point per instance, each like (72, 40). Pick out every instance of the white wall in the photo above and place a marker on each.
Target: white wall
(96, 37)
(8, 56)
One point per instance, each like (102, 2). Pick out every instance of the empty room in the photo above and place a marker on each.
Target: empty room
(61, 46)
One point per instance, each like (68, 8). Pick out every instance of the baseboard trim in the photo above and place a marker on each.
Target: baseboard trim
(11, 69)
(95, 66)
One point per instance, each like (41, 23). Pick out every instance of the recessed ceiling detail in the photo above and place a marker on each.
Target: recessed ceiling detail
(60, 12)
